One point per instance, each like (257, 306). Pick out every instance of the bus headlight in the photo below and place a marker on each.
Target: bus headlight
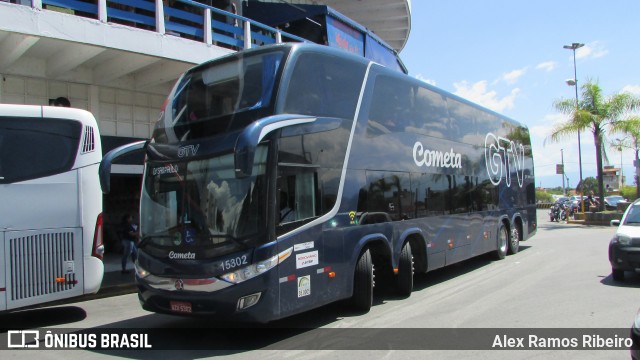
(253, 270)
(624, 240)
(141, 272)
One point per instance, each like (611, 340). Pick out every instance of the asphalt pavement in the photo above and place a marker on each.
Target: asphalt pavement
(116, 283)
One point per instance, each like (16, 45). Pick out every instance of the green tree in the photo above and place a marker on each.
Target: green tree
(596, 113)
(631, 127)
(590, 184)
(543, 196)
(628, 192)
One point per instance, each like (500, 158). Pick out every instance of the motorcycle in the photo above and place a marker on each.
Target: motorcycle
(560, 211)
(570, 210)
(554, 212)
(564, 210)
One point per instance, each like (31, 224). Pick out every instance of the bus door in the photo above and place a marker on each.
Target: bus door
(301, 278)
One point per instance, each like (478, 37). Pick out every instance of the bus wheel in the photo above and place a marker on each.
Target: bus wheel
(363, 283)
(404, 280)
(618, 275)
(514, 240)
(503, 239)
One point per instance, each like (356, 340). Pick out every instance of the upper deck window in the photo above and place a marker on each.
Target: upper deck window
(324, 85)
(221, 96)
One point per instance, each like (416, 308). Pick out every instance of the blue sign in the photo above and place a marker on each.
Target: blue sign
(189, 235)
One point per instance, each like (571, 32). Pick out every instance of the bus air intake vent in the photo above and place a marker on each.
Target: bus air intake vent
(88, 142)
(40, 264)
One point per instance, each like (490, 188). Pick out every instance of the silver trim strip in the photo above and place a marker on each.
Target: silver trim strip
(196, 285)
(280, 124)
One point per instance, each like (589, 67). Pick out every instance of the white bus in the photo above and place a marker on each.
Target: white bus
(51, 208)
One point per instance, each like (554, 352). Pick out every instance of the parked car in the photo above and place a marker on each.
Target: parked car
(625, 245)
(611, 202)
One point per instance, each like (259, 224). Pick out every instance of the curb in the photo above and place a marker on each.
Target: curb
(588, 223)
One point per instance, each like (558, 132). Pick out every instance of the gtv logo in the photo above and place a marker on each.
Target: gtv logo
(502, 156)
(189, 150)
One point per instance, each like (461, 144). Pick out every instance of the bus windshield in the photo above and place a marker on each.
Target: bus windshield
(220, 97)
(201, 206)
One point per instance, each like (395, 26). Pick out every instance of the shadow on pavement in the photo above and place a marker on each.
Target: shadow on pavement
(631, 280)
(42, 317)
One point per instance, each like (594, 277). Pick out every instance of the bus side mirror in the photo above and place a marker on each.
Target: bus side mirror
(104, 171)
(244, 161)
(251, 136)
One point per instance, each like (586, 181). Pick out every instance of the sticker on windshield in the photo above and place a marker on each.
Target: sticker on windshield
(304, 286)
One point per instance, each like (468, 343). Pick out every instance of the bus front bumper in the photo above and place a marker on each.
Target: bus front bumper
(252, 301)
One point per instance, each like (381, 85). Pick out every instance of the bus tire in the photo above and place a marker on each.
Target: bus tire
(503, 239)
(362, 298)
(618, 275)
(404, 280)
(514, 240)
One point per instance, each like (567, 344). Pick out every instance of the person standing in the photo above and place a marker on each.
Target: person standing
(129, 237)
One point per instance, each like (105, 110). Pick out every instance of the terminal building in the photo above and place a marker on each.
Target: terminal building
(119, 59)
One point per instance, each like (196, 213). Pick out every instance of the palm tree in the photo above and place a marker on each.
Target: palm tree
(631, 127)
(595, 113)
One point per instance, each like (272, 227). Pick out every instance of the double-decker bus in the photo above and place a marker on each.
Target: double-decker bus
(51, 210)
(281, 179)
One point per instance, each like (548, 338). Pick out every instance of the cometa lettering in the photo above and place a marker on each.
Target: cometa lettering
(435, 158)
(182, 256)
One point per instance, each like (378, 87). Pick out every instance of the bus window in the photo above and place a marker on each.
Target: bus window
(391, 106)
(297, 194)
(324, 85)
(389, 193)
(310, 161)
(220, 97)
(432, 117)
(51, 150)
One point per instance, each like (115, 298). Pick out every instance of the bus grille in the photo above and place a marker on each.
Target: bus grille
(88, 143)
(41, 264)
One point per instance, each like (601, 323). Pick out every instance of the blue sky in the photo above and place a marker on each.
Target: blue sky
(508, 56)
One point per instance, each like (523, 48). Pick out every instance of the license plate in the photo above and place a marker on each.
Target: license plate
(180, 307)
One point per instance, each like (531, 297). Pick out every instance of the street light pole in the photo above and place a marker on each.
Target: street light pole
(574, 47)
(619, 145)
(562, 161)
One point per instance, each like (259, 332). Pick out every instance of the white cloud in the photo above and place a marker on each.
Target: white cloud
(633, 89)
(595, 49)
(547, 66)
(513, 76)
(425, 79)
(479, 93)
